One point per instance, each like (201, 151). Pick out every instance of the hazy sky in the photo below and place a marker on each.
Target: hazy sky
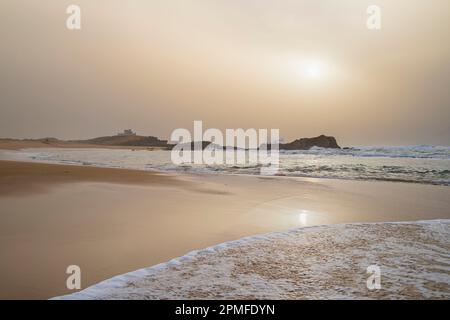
(306, 67)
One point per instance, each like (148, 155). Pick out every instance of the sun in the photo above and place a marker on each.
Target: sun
(313, 69)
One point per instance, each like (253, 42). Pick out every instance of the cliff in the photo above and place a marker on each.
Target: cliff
(321, 141)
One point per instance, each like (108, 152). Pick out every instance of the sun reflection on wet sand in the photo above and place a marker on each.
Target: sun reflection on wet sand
(310, 218)
(303, 217)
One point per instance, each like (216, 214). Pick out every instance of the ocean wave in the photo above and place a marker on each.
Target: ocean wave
(322, 262)
(420, 151)
(419, 164)
(397, 173)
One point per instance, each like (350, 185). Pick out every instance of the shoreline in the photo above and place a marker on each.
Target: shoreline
(137, 284)
(15, 158)
(121, 220)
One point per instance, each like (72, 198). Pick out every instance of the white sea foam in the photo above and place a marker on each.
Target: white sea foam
(420, 151)
(323, 262)
(420, 164)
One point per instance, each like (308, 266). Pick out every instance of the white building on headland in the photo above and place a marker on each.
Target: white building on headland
(126, 133)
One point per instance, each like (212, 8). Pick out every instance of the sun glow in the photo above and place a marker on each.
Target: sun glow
(310, 70)
(313, 69)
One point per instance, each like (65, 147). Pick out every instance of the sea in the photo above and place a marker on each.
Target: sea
(415, 164)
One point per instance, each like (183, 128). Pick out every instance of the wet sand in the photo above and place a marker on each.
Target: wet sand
(323, 262)
(112, 221)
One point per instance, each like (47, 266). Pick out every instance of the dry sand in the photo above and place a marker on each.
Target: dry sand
(111, 221)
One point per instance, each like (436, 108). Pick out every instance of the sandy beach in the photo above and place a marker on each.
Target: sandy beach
(113, 221)
(324, 262)
(223, 150)
(16, 144)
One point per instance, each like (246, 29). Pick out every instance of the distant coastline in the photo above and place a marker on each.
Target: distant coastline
(130, 139)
